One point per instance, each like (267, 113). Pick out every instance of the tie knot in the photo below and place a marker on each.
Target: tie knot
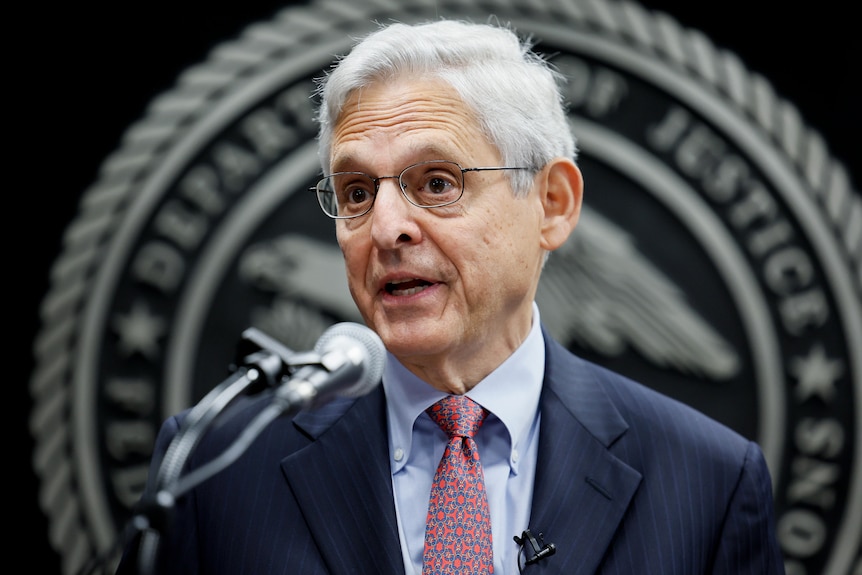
(458, 415)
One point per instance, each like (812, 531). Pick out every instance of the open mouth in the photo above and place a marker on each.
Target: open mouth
(406, 287)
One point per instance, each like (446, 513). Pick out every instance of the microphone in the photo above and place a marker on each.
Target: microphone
(350, 364)
(344, 351)
(540, 549)
(347, 360)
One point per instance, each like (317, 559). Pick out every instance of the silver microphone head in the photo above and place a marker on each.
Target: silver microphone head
(362, 347)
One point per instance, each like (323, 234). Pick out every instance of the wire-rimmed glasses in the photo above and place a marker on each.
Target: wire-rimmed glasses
(431, 184)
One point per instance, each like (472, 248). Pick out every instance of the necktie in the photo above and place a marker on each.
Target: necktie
(458, 527)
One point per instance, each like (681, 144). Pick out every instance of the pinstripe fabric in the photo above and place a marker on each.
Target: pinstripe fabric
(660, 489)
(627, 482)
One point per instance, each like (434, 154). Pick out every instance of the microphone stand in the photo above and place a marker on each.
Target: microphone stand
(152, 514)
(170, 485)
(311, 379)
(199, 419)
(245, 380)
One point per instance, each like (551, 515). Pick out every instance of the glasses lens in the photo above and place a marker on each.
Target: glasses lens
(431, 184)
(346, 194)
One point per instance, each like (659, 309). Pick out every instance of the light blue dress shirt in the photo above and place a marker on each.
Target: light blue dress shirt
(507, 442)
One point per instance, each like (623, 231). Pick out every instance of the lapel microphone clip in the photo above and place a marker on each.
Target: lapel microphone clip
(540, 549)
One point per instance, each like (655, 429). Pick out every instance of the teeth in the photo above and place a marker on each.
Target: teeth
(409, 291)
(411, 286)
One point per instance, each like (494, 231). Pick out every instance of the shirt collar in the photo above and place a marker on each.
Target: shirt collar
(510, 392)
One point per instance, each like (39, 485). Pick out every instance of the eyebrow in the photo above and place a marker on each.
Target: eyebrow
(420, 154)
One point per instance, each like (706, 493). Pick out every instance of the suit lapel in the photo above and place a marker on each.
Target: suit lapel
(580, 495)
(581, 490)
(353, 522)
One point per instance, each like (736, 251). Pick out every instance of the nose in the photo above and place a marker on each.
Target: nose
(393, 221)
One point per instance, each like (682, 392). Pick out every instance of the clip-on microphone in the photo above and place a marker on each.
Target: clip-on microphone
(541, 550)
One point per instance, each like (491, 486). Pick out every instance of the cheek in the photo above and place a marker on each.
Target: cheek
(513, 240)
(505, 235)
(496, 252)
(351, 250)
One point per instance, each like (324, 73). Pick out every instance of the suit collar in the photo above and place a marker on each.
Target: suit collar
(581, 489)
(353, 522)
(580, 495)
(578, 386)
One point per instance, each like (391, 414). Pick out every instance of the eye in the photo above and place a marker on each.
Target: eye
(434, 183)
(356, 195)
(437, 185)
(353, 189)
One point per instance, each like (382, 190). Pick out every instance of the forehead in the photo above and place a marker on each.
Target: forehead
(406, 120)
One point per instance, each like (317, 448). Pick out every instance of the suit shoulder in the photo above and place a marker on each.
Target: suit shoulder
(651, 416)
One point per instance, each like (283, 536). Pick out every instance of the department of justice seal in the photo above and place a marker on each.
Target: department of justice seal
(717, 259)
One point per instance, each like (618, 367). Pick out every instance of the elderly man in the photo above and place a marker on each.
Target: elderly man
(449, 169)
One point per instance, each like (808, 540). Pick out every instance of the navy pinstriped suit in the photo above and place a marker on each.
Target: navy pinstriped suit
(628, 482)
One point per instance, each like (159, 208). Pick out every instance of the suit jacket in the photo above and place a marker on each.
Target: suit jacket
(627, 481)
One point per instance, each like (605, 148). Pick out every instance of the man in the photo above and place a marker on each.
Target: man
(450, 171)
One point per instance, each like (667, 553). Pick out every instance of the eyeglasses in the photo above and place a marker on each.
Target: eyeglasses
(432, 184)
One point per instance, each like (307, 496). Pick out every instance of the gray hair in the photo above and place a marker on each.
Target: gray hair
(513, 92)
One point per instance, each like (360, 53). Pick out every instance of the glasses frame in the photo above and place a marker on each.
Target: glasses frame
(319, 192)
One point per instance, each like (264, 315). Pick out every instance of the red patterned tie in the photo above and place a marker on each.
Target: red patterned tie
(458, 528)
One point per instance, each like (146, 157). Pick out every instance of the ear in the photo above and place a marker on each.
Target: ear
(561, 196)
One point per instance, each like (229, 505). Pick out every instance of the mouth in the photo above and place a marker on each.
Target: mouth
(406, 287)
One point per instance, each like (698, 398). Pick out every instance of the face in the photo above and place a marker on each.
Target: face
(449, 290)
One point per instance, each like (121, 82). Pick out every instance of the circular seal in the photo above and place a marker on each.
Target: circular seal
(717, 259)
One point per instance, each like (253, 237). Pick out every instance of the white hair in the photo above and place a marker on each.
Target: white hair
(513, 92)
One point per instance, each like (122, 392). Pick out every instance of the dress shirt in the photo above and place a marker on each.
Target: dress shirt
(507, 443)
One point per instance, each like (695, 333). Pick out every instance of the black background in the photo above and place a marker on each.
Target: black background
(85, 74)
